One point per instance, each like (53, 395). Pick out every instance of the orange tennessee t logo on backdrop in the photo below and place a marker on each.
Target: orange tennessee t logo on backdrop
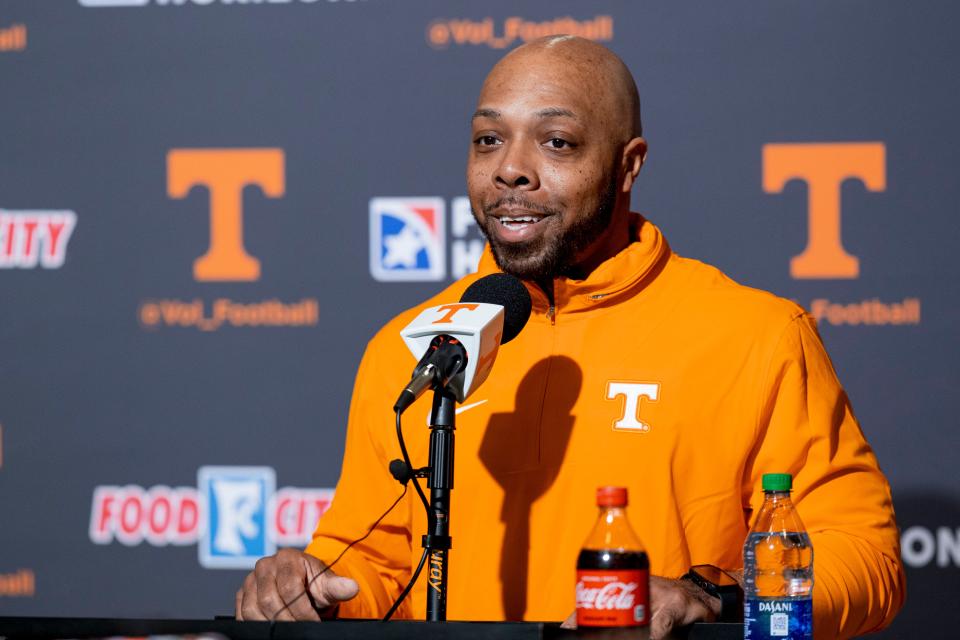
(452, 309)
(225, 172)
(824, 167)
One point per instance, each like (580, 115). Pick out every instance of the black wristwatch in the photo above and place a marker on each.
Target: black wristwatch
(719, 584)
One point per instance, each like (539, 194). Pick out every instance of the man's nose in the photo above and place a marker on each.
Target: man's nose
(517, 169)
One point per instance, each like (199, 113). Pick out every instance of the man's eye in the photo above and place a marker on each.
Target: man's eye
(559, 143)
(487, 141)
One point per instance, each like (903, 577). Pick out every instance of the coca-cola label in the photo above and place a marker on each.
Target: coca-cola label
(619, 598)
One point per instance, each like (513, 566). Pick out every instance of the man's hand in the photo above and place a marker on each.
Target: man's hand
(673, 603)
(274, 590)
(677, 603)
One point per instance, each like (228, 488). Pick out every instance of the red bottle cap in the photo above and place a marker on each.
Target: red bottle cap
(612, 497)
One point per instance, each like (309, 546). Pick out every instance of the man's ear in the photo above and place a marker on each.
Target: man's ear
(634, 155)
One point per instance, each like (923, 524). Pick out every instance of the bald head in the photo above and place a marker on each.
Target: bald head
(584, 66)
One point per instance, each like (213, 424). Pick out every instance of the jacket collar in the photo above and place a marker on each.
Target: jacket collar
(622, 275)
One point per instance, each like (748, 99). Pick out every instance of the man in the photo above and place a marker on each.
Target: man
(638, 368)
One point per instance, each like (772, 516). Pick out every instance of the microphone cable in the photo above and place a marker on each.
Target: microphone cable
(406, 589)
(410, 474)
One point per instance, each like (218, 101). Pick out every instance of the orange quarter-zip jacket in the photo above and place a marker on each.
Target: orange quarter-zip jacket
(657, 373)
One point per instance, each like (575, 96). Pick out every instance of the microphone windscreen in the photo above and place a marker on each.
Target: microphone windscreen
(400, 471)
(508, 292)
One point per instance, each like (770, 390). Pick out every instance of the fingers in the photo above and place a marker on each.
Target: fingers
(277, 588)
(293, 574)
(269, 602)
(329, 589)
(664, 619)
(291, 582)
(570, 622)
(674, 603)
(247, 608)
(238, 606)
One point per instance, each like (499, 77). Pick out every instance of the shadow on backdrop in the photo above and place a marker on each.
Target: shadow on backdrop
(525, 462)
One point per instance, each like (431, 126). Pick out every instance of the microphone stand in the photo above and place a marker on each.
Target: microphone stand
(437, 541)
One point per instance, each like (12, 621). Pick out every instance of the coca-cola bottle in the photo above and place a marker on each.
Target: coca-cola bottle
(613, 572)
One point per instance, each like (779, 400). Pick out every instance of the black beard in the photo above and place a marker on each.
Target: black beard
(542, 258)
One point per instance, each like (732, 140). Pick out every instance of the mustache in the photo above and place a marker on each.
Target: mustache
(520, 202)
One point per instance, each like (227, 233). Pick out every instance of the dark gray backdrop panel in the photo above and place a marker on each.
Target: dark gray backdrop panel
(363, 107)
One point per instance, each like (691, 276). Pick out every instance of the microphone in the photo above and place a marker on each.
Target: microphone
(400, 471)
(459, 342)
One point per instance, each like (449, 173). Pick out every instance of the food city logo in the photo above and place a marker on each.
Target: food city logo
(443, 32)
(32, 238)
(13, 38)
(234, 515)
(824, 167)
(408, 239)
(224, 173)
(100, 4)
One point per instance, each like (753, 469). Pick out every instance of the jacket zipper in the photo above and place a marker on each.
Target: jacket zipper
(551, 300)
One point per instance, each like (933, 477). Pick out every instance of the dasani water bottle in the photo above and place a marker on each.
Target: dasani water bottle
(778, 568)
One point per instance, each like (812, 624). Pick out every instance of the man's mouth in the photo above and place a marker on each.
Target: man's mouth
(518, 221)
(513, 219)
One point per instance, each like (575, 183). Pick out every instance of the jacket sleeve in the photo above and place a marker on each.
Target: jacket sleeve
(380, 563)
(806, 427)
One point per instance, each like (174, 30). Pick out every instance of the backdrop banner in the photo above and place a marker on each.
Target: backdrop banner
(208, 207)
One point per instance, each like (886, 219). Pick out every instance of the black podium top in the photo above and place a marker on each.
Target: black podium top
(12, 628)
